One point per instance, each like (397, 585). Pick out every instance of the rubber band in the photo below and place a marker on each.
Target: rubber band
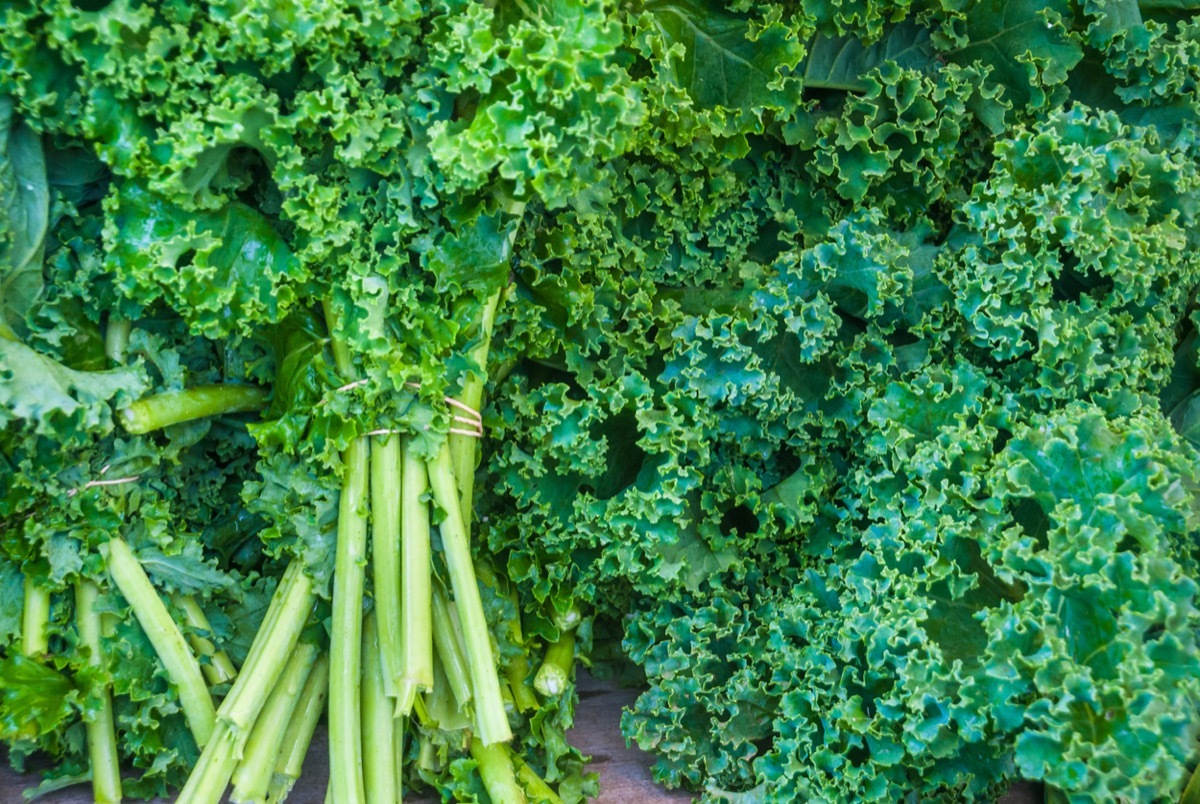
(473, 419)
(475, 415)
(471, 433)
(93, 483)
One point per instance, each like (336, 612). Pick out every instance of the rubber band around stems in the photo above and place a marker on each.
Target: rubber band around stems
(474, 419)
(93, 483)
(116, 481)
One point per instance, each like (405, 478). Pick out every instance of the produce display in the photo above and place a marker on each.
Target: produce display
(828, 369)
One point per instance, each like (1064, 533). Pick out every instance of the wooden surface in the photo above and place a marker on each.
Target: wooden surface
(624, 772)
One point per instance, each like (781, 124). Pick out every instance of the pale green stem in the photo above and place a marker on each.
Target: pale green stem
(277, 637)
(296, 740)
(173, 407)
(116, 339)
(207, 782)
(554, 676)
(449, 648)
(182, 668)
(252, 779)
(496, 771)
(378, 727)
(464, 449)
(273, 645)
(438, 710)
(516, 669)
(35, 620)
(345, 735)
(101, 733)
(535, 786)
(416, 611)
(398, 724)
(219, 668)
(491, 718)
(386, 482)
(427, 754)
(516, 672)
(341, 351)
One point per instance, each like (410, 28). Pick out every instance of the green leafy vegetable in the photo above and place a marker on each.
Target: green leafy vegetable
(829, 369)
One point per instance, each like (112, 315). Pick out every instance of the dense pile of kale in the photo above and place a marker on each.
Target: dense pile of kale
(837, 364)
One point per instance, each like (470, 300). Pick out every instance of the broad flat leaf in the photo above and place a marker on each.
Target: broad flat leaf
(725, 65)
(12, 591)
(842, 62)
(186, 572)
(58, 401)
(1003, 34)
(1185, 417)
(1112, 17)
(224, 270)
(1171, 5)
(473, 256)
(25, 207)
(1185, 374)
(33, 694)
(62, 552)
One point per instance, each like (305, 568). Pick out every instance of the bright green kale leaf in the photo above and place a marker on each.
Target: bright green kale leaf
(1107, 636)
(1027, 45)
(553, 98)
(52, 400)
(229, 269)
(35, 698)
(736, 67)
(843, 63)
(11, 603)
(25, 207)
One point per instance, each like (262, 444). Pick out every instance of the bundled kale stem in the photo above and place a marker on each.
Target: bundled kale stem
(103, 759)
(413, 618)
(349, 580)
(516, 667)
(415, 671)
(383, 732)
(218, 667)
(496, 770)
(273, 646)
(386, 495)
(450, 655)
(252, 779)
(298, 735)
(465, 449)
(345, 650)
(174, 407)
(101, 732)
(169, 643)
(491, 720)
(35, 620)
